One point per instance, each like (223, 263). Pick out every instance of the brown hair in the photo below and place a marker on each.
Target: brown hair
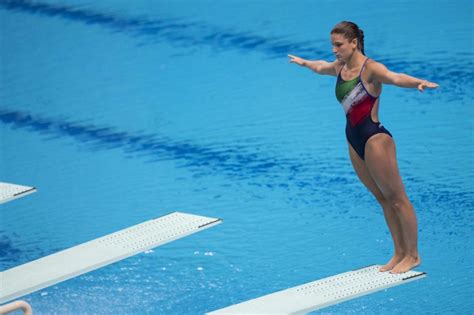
(350, 31)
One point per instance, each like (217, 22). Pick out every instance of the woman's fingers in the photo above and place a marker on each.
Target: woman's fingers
(426, 84)
(421, 86)
(294, 59)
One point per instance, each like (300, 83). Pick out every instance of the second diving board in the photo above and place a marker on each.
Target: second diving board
(9, 192)
(323, 293)
(77, 260)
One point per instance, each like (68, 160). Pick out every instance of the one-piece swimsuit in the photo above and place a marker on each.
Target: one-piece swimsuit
(358, 103)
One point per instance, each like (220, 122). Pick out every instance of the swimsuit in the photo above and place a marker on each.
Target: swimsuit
(358, 104)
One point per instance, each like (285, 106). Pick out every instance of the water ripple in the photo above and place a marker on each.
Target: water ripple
(232, 160)
(171, 30)
(7, 250)
(301, 176)
(183, 33)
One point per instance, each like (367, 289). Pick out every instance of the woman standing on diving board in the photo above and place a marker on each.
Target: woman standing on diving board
(371, 147)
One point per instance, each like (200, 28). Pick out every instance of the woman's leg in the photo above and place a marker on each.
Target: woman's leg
(391, 217)
(380, 159)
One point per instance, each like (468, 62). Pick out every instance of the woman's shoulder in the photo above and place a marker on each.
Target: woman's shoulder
(373, 65)
(374, 68)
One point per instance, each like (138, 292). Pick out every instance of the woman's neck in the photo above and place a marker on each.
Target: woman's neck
(355, 61)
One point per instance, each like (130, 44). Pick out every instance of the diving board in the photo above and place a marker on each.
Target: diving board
(323, 293)
(9, 192)
(77, 260)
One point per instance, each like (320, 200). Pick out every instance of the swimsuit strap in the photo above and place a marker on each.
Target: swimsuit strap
(339, 74)
(361, 69)
(363, 66)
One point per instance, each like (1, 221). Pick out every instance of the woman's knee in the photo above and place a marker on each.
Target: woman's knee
(397, 202)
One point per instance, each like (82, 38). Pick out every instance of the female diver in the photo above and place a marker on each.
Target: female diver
(371, 147)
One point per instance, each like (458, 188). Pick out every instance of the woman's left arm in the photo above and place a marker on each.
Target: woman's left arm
(383, 75)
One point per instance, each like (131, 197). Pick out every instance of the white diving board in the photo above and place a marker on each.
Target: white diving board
(322, 293)
(77, 260)
(9, 192)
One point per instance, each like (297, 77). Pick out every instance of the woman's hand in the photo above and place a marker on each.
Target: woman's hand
(318, 66)
(426, 84)
(297, 60)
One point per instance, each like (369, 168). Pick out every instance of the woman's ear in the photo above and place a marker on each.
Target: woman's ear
(354, 42)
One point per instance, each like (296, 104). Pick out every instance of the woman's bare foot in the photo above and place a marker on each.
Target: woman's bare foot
(392, 263)
(406, 264)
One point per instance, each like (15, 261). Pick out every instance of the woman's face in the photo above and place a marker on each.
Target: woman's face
(342, 47)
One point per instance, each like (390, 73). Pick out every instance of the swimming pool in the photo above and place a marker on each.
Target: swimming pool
(120, 113)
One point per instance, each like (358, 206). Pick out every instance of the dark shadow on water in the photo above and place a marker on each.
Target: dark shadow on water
(8, 252)
(13, 254)
(174, 31)
(248, 163)
(305, 181)
(231, 160)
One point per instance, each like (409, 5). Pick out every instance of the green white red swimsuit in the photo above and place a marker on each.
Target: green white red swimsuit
(357, 104)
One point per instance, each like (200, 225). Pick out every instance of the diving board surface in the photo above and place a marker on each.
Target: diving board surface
(77, 260)
(9, 192)
(323, 293)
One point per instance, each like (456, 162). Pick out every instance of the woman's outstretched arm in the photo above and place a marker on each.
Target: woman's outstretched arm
(318, 66)
(383, 75)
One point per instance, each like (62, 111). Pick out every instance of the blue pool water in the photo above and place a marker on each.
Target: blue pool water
(120, 113)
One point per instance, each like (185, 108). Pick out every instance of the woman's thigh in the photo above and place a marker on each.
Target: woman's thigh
(381, 163)
(364, 174)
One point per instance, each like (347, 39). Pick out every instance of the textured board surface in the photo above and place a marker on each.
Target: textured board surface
(322, 293)
(9, 192)
(77, 260)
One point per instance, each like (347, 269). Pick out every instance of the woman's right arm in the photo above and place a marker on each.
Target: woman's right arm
(318, 66)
